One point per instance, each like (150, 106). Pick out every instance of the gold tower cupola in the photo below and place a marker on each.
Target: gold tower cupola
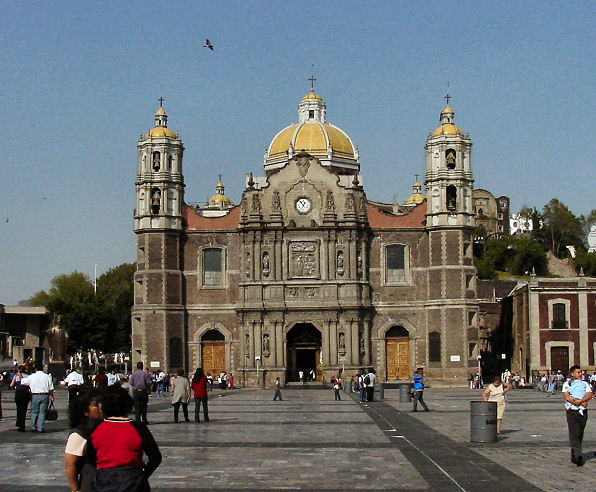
(161, 130)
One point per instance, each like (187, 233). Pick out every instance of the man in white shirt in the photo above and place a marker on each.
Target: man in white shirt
(42, 393)
(73, 382)
(370, 387)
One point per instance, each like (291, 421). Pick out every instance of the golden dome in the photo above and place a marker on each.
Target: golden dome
(314, 138)
(312, 95)
(448, 129)
(414, 199)
(160, 132)
(159, 111)
(220, 198)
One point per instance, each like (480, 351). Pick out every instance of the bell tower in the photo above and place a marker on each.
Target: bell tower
(449, 174)
(452, 314)
(158, 312)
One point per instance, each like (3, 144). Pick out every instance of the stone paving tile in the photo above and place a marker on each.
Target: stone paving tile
(535, 444)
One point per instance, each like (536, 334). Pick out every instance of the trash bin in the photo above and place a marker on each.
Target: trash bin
(483, 421)
(405, 393)
(379, 392)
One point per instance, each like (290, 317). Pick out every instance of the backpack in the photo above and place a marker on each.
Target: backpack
(366, 380)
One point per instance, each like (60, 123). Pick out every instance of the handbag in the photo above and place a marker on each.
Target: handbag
(51, 412)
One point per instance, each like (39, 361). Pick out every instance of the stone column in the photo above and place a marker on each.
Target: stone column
(353, 257)
(325, 343)
(353, 347)
(582, 301)
(367, 329)
(333, 342)
(279, 346)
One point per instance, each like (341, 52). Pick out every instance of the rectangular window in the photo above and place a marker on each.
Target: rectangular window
(175, 352)
(395, 263)
(559, 317)
(434, 347)
(212, 267)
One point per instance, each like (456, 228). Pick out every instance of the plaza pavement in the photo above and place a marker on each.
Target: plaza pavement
(310, 442)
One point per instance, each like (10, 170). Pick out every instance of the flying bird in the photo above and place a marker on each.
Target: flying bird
(208, 45)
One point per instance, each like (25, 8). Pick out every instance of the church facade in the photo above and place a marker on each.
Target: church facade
(306, 272)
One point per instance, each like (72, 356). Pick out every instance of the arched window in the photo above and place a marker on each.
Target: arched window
(212, 267)
(155, 201)
(156, 161)
(451, 197)
(395, 264)
(434, 346)
(170, 162)
(397, 332)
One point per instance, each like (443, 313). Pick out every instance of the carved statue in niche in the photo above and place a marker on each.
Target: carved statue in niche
(155, 201)
(247, 345)
(256, 203)
(265, 264)
(330, 202)
(276, 202)
(342, 341)
(363, 206)
(340, 263)
(362, 349)
(243, 210)
(266, 344)
(450, 159)
(350, 203)
(247, 265)
(359, 262)
(303, 163)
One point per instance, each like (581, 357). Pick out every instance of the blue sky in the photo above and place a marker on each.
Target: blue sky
(80, 82)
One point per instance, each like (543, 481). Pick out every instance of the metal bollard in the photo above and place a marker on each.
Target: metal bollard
(405, 392)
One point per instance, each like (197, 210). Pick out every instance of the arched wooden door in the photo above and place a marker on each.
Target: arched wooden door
(397, 350)
(213, 353)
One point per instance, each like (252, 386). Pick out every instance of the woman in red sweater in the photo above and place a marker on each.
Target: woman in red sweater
(119, 443)
(199, 388)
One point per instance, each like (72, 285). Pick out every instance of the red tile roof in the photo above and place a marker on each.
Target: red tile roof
(379, 219)
(195, 222)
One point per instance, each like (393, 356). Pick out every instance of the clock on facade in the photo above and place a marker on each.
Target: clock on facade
(303, 205)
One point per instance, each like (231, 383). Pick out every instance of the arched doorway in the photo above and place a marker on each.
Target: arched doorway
(397, 350)
(303, 350)
(213, 352)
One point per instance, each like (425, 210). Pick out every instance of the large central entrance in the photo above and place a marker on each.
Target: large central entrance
(303, 350)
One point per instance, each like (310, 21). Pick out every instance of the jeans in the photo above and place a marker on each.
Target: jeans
(362, 394)
(140, 399)
(576, 424)
(198, 402)
(418, 398)
(337, 395)
(21, 398)
(160, 389)
(39, 406)
(277, 395)
(177, 410)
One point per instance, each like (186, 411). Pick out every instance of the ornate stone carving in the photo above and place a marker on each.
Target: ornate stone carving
(303, 163)
(247, 272)
(276, 202)
(265, 264)
(304, 259)
(256, 203)
(303, 292)
(266, 344)
(340, 263)
(350, 203)
(330, 203)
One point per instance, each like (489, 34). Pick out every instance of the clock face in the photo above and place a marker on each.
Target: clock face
(303, 205)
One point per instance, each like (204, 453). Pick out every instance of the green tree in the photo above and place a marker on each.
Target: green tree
(587, 262)
(560, 228)
(115, 293)
(100, 321)
(513, 255)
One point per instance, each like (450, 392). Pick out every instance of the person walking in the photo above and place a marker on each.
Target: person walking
(336, 388)
(199, 388)
(370, 384)
(22, 397)
(419, 391)
(277, 390)
(577, 394)
(42, 391)
(74, 381)
(362, 388)
(496, 392)
(141, 387)
(181, 395)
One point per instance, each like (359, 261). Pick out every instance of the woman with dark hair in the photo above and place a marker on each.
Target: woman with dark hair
(119, 443)
(496, 392)
(199, 387)
(22, 396)
(84, 414)
(180, 395)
